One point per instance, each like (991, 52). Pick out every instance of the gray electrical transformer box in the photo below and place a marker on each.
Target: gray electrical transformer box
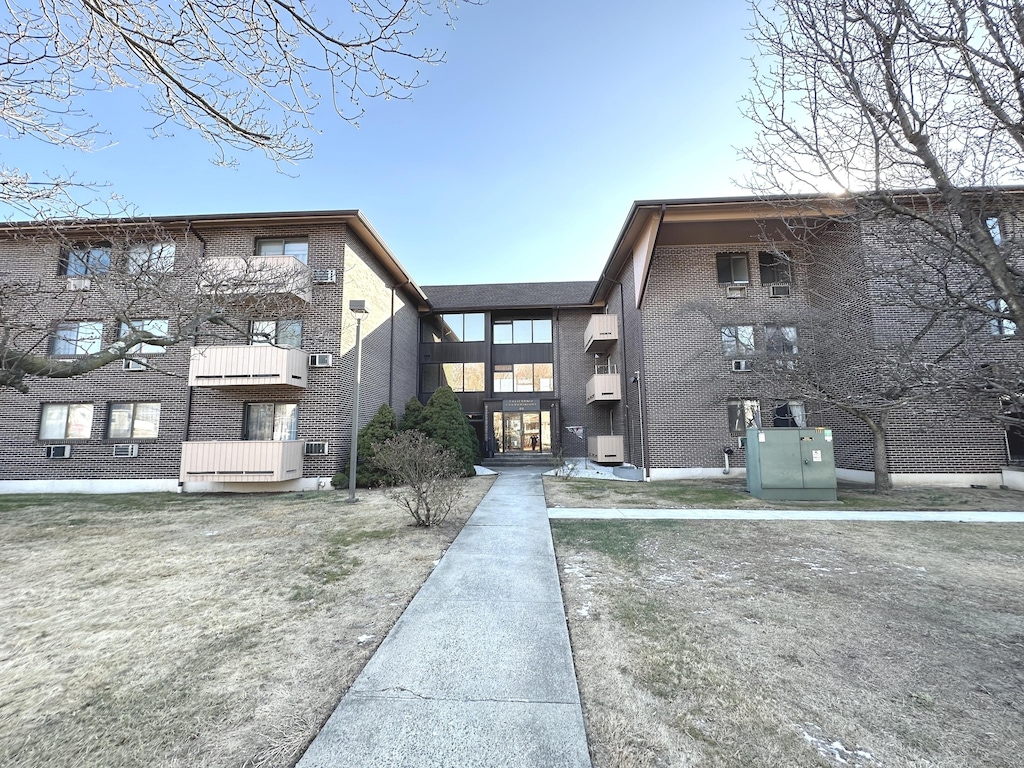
(791, 464)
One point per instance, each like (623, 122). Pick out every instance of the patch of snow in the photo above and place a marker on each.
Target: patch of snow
(833, 749)
(364, 639)
(586, 469)
(483, 470)
(584, 610)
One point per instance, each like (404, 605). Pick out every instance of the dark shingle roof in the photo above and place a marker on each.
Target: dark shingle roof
(509, 295)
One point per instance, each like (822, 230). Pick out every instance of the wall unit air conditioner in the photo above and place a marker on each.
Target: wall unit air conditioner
(779, 291)
(134, 364)
(742, 441)
(79, 283)
(325, 276)
(742, 365)
(126, 450)
(735, 291)
(321, 360)
(58, 451)
(317, 448)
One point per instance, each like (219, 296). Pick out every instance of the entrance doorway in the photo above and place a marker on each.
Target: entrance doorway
(522, 431)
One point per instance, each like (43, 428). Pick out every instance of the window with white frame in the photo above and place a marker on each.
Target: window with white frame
(790, 413)
(743, 414)
(297, 247)
(154, 325)
(151, 258)
(732, 268)
(133, 420)
(282, 333)
(77, 338)
(65, 421)
(271, 421)
(737, 340)
(1001, 324)
(780, 340)
(86, 260)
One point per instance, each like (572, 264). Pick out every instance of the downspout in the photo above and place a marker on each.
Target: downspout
(195, 343)
(642, 373)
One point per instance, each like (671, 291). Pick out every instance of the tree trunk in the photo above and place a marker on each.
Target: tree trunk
(879, 428)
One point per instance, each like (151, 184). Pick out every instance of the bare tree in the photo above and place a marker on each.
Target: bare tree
(244, 76)
(877, 97)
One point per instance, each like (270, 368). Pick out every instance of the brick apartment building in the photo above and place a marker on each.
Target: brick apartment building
(650, 365)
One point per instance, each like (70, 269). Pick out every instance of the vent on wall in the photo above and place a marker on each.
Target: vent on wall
(134, 364)
(735, 291)
(778, 291)
(317, 448)
(58, 451)
(325, 276)
(742, 365)
(126, 450)
(321, 360)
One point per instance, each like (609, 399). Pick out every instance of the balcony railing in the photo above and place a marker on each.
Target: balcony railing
(257, 276)
(604, 387)
(247, 365)
(241, 461)
(601, 334)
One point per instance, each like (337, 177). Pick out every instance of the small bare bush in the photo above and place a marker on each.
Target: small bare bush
(427, 477)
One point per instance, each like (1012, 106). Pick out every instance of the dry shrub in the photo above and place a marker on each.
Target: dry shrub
(427, 477)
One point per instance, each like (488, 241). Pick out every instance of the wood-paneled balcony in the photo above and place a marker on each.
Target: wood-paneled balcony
(601, 334)
(241, 461)
(604, 387)
(605, 449)
(257, 276)
(247, 366)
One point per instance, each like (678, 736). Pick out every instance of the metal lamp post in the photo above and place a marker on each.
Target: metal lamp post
(358, 309)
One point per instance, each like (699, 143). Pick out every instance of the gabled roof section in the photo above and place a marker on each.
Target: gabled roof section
(509, 296)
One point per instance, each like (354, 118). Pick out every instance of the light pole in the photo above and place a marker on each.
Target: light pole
(358, 309)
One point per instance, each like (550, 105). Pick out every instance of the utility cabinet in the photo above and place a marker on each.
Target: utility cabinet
(791, 464)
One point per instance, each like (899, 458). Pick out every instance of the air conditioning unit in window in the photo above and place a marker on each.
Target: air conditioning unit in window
(742, 365)
(742, 441)
(134, 364)
(735, 291)
(325, 276)
(321, 360)
(317, 448)
(778, 291)
(58, 451)
(79, 283)
(126, 450)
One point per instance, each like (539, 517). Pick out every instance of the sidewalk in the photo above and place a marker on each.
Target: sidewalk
(873, 515)
(478, 670)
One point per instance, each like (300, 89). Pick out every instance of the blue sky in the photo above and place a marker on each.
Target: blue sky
(519, 160)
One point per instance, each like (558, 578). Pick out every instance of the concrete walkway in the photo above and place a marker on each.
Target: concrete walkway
(943, 516)
(478, 670)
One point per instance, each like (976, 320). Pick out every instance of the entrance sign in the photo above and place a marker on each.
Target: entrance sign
(521, 404)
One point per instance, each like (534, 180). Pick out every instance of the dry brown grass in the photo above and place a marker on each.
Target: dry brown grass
(729, 644)
(195, 630)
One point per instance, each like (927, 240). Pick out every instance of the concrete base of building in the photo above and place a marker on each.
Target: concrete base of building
(285, 486)
(925, 479)
(1013, 478)
(149, 485)
(696, 473)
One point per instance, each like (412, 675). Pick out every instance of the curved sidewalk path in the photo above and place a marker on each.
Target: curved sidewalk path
(478, 670)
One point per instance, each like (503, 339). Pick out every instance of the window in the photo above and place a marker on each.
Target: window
(151, 258)
(138, 420)
(271, 421)
(743, 414)
(774, 267)
(78, 338)
(461, 377)
(297, 247)
(1001, 326)
(85, 260)
(732, 268)
(155, 326)
(790, 413)
(737, 340)
(283, 333)
(522, 331)
(458, 327)
(66, 421)
(524, 377)
(992, 223)
(780, 340)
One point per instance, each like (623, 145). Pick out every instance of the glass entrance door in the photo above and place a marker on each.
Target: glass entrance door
(516, 431)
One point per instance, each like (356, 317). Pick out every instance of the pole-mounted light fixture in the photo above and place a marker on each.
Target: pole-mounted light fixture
(358, 309)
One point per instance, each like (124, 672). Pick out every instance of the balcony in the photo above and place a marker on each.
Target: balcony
(601, 334)
(605, 449)
(241, 461)
(605, 385)
(247, 366)
(257, 276)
